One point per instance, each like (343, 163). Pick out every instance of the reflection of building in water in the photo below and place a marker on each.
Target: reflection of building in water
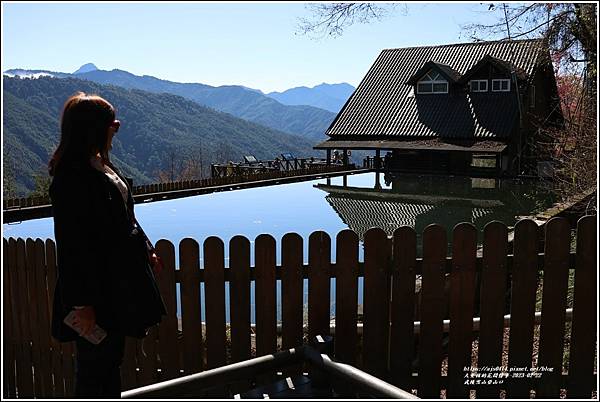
(418, 203)
(362, 214)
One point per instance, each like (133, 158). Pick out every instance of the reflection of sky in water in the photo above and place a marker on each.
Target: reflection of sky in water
(300, 208)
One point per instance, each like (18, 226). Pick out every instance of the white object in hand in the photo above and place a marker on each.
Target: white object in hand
(96, 336)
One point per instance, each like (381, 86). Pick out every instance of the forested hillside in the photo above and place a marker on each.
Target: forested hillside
(306, 121)
(159, 132)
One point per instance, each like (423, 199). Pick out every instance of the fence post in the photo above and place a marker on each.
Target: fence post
(239, 298)
(554, 303)
(462, 299)
(319, 260)
(42, 324)
(402, 346)
(8, 351)
(292, 307)
(376, 302)
(214, 291)
(167, 335)
(432, 320)
(583, 331)
(492, 301)
(189, 260)
(266, 313)
(522, 310)
(346, 294)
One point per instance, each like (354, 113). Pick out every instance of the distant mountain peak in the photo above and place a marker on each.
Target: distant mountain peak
(86, 68)
(325, 96)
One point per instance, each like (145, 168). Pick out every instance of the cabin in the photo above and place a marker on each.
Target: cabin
(471, 108)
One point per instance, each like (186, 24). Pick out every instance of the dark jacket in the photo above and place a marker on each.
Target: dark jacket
(102, 258)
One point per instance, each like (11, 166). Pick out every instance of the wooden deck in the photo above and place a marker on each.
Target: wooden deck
(17, 214)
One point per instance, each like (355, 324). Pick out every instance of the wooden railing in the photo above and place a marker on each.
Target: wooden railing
(220, 181)
(26, 202)
(218, 170)
(388, 347)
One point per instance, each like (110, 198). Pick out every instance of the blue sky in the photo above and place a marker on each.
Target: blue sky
(251, 44)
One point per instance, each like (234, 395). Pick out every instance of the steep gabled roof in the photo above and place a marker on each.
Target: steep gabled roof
(384, 106)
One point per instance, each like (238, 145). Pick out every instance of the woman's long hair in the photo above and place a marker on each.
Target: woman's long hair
(83, 131)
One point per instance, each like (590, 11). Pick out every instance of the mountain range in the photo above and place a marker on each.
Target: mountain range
(296, 117)
(325, 96)
(156, 129)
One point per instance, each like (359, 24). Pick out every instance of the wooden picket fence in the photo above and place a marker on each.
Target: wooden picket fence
(35, 365)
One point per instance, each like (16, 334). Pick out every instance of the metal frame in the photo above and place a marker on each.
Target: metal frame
(194, 385)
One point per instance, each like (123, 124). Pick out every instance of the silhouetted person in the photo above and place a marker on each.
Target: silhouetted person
(105, 261)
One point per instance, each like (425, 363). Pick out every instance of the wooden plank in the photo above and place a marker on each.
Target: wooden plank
(319, 260)
(239, 298)
(56, 354)
(32, 316)
(8, 350)
(266, 297)
(129, 373)
(493, 291)
(25, 361)
(554, 303)
(376, 320)
(292, 290)
(239, 305)
(346, 296)
(189, 259)
(167, 331)
(582, 379)
(214, 297)
(43, 323)
(402, 349)
(16, 307)
(522, 310)
(68, 363)
(147, 358)
(432, 311)
(462, 299)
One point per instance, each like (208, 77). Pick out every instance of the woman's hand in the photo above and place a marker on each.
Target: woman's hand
(156, 262)
(85, 319)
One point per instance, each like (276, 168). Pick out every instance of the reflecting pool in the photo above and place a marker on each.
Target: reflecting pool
(357, 202)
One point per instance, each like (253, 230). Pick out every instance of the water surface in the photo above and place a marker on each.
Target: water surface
(356, 201)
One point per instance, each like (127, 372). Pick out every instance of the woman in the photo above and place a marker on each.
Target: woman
(104, 264)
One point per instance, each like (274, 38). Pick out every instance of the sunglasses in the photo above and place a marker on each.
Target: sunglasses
(115, 124)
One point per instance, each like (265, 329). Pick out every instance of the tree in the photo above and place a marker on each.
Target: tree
(569, 30)
(193, 165)
(183, 164)
(331, 18)
(9, 182)
(42, 184)
(173, 162)
(223, 153)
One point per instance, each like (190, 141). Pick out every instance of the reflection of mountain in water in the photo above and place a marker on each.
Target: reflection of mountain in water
(418, 201)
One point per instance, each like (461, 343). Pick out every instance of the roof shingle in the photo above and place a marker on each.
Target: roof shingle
(384, 106)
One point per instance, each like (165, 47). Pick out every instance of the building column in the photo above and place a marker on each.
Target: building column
(498, 165)
(345, 151)
(328, 157)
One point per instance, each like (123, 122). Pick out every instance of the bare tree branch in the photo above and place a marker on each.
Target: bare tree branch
(330, 19)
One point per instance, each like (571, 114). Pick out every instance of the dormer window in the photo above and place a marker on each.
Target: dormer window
(502, 85)
(432, 83)
(479, 85)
